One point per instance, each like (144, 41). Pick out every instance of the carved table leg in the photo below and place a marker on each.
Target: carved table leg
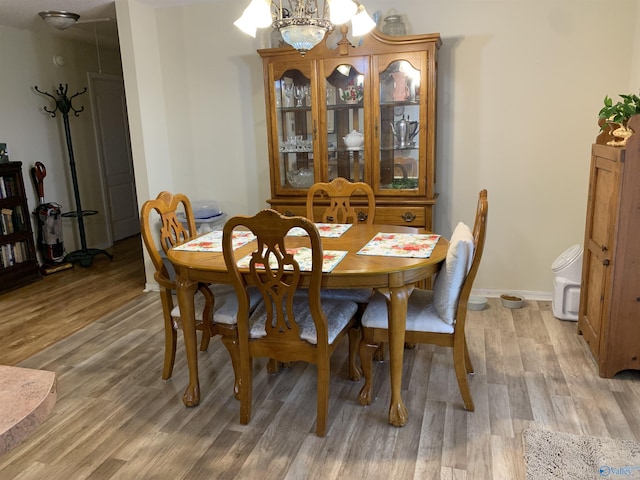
(397, 307)
(186, 290)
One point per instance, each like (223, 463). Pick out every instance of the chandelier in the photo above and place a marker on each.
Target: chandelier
(301, 23)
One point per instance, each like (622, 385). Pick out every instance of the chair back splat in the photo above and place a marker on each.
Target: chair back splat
(340, 193)
(171, 232)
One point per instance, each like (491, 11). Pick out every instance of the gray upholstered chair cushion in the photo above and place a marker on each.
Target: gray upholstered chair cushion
(225, 308)
(338, 313)
(198, 303)
(421, 313)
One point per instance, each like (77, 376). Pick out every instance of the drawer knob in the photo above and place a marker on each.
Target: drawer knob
(362, 216)
(408, 217)
(289, 213)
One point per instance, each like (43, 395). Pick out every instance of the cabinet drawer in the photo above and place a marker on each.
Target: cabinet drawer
(400, 215)
(407, 216)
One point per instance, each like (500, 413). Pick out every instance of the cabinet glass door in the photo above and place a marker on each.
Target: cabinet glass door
(345, 122)
(294, 125)
(400, 126)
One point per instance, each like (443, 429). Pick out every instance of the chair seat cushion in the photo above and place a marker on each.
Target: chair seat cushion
(421, 313)
(338, 313)
(358, 295)
(225, 308)
(198, 303)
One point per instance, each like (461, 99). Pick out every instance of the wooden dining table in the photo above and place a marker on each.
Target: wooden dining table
(394, 277)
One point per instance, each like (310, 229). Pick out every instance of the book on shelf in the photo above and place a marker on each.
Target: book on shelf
(7, 255)
(3, 192)
(10, 186)
(14, 253)
(7, 260)
(7, 221)
(17, 252)
(18, 219)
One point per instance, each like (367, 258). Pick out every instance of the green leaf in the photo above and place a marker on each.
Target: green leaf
(621, 111)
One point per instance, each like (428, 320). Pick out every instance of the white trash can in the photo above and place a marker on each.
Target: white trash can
(567, 270)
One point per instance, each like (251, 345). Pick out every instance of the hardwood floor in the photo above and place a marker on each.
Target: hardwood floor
(40, 314)
(116, 419)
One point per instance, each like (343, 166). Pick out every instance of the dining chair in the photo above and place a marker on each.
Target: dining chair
(293, 322)
(215, 305)
(339, 193)
(437, 316)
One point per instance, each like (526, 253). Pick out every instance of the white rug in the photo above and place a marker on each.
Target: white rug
(557, 455)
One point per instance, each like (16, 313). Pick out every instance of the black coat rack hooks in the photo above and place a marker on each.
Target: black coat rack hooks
(85, 255)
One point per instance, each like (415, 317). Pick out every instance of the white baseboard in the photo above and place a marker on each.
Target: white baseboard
(151, 287)
(527, 294)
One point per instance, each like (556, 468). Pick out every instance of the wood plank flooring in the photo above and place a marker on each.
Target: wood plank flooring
(116, 419)
(40, 314)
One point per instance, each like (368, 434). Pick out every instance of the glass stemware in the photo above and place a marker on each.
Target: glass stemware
(298, 93)
(287, 88)
(307, 95)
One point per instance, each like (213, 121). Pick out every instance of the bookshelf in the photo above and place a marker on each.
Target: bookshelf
(18, 263)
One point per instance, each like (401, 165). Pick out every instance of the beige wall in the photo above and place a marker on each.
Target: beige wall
(520, 85)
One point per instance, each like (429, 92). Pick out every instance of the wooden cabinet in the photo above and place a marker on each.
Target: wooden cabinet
(383, 89)
(18, 264)
(609, 317)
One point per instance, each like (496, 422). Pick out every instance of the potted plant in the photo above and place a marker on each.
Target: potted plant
(618, 114)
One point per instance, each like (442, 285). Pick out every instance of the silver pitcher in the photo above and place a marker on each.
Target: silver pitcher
(404, 131)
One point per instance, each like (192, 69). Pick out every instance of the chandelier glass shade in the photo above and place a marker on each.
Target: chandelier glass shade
(361, 22)
(302, 23)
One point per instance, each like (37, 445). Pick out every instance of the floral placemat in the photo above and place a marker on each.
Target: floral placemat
(415, 245)
(328, 230)
(212, 241)
(330, 258)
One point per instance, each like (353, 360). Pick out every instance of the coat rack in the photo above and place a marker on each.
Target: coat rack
(63, 105)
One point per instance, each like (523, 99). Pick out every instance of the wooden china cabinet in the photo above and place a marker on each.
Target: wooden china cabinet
(609, 316)
(383, 92)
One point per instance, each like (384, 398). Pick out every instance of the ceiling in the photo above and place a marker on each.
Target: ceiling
(97, 17)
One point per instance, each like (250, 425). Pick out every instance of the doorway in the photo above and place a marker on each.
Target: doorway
(115, 160)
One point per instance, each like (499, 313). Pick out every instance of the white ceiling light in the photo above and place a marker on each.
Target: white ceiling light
(59, 19)
(361, 23)
(341, 11)
(302, 23)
